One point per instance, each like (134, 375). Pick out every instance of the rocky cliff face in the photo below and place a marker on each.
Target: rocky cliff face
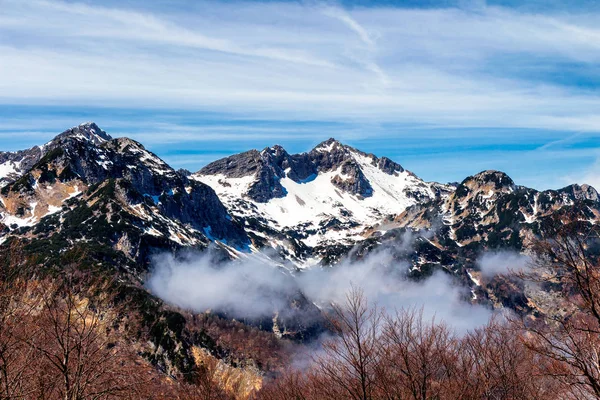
(14, 164)
(272, 164)
(489, 210)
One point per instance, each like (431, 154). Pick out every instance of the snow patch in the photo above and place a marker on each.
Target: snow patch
(8, 168)
(10, 220)
(52, 210)
(473, 279)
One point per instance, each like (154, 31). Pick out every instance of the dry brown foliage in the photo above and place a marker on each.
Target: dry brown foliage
(402, 356)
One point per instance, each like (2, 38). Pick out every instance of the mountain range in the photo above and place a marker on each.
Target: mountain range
(123, 204)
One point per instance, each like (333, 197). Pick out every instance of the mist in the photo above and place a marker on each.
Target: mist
(245, 288)
(253, 288)
(384, 281)
(502, 263)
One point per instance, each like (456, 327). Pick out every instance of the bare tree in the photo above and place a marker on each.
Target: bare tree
(494, 363)
(568, 333)
(206, 384)
(79, 352)
(416, 356)
(15, 306)
(291, 385)
(350, 359)
(405, 356)
(15, 355)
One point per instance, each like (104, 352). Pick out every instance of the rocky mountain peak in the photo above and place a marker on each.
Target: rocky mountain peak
(476, 197)
(581, 192)
(388, 166)
(87, 131)
(162, 207)
(496, 181)
(275, 150)
(274, 156)
(236, 166)
(329, 145)
(333, 154)
(127, 145)
(14, 164)
(264, 175)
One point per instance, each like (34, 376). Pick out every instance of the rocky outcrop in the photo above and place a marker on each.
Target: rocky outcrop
(583, 192)
(15, 164)
(488, 210)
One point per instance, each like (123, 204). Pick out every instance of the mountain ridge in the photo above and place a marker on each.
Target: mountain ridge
(303, 205)
(328, 195)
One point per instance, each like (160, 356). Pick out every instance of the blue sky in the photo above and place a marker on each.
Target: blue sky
(446, 88)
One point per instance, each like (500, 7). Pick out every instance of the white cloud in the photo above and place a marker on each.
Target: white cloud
(248, 289)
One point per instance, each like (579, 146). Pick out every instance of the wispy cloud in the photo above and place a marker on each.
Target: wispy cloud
(344, 17)
(496, 263)
(429, 66)
(367, 57)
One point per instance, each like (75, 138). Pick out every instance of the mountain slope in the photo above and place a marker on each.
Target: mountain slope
(489, 210)
(335, 201)
(486, 213)
(305, 209)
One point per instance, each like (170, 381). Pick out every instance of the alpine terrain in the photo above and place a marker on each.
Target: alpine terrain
(108, 206)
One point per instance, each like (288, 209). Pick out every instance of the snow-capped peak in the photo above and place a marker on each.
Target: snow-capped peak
(332, 185)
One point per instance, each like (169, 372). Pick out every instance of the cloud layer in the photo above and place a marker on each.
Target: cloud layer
(502, 263)
(251, 288)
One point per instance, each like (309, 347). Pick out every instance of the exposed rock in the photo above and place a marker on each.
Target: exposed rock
(583, 192)
(84, 187)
